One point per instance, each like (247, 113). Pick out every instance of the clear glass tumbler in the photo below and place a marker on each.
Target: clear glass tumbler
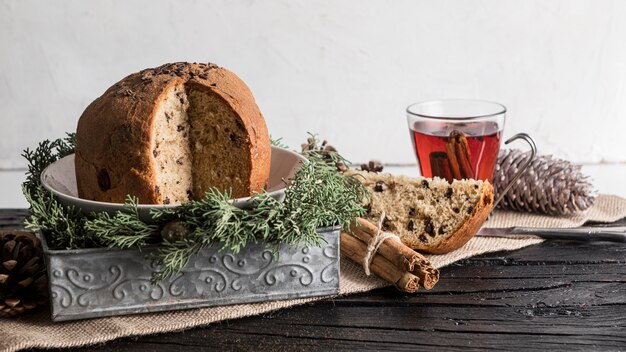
(456, 139)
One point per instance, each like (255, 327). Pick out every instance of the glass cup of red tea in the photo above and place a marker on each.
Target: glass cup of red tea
(460, 139)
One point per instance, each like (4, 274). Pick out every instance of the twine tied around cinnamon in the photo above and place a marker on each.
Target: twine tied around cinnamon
(374, 244)
(392, 261)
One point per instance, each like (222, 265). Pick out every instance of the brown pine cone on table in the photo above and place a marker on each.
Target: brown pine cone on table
(549, 185)
(23, 280)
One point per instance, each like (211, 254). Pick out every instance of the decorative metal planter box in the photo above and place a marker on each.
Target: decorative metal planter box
(99, 282)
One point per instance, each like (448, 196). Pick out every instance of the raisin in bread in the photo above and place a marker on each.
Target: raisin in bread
(168, 134)
(429, 215)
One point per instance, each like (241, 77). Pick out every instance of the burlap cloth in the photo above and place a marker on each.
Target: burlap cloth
(39, 331)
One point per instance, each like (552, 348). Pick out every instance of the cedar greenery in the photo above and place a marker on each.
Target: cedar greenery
(63, 227)
(45, 154)
(278, 142)
(318, 196)
(124, 229)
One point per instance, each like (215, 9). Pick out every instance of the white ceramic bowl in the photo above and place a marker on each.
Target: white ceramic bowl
(60, 179)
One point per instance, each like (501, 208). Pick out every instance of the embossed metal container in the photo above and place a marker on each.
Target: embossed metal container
(99, 282)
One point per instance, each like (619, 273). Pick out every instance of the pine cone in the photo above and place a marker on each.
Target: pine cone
(175, 230)
(550, 186)
(23, 280)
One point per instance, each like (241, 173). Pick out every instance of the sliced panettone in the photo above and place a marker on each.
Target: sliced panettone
(168, 134)
(429, 215)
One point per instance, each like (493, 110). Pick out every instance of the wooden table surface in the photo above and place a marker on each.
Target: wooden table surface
(554, 296)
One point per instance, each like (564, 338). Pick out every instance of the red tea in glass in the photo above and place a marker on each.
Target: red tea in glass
(456, 139)
(431, 138)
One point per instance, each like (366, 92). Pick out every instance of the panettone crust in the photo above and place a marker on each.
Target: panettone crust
(114, 154)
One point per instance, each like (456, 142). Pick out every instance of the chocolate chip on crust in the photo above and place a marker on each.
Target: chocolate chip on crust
(104, 182)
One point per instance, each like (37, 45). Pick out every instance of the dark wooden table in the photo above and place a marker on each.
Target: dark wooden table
(554, 296)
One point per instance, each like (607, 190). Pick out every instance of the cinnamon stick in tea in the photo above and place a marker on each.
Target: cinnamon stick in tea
(459, 155)
(440, 165)
(355, 249)
(454, 163)
(398, 253)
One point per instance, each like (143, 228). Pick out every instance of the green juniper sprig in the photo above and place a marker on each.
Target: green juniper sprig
(124, 229)
(45, 154)
(63, 226)
(278, 142)
(211, 220)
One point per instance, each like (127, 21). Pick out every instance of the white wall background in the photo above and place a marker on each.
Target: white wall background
(345, 69)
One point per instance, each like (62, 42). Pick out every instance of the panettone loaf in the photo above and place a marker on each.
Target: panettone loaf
(168, 134)
(429, 215)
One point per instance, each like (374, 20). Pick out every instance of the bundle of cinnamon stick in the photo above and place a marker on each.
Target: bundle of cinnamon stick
(394, 262)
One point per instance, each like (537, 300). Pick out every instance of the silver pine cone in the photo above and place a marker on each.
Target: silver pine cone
(550, 186)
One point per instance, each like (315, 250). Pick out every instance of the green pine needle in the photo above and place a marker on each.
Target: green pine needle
(45, 154)
(278, 142)
(124, 229)
(63, 227)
